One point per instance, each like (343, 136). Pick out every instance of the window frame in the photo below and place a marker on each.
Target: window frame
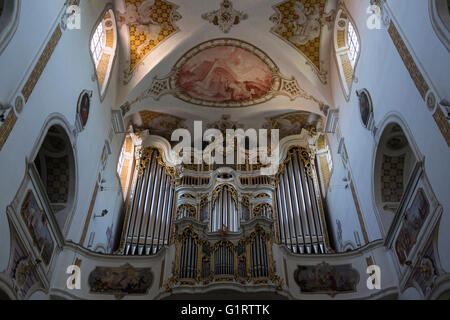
(345, 63)
(353, 43)
(103, 80)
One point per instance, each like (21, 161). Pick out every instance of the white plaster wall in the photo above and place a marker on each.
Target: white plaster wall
(68, 72)
(89, 261)
(381, 70)
(414, 19)
(29, 37)
(110, 199)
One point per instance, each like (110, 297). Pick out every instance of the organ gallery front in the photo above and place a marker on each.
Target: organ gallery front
(221, 222)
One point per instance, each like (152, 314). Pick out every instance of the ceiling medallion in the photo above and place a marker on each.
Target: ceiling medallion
(226, 73)
(226, 17)
(300, 22)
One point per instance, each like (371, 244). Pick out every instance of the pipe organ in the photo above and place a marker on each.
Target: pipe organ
(149, 219)
(301, 221)
(244, 259)
(224, 204)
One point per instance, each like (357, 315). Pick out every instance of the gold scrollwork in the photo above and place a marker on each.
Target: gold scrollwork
(191, 211)
(207, 256)
(258, 210)
(230, 188)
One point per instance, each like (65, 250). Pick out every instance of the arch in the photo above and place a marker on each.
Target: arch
(55, 160)
(186, 211)
(103, 48)
(6, 291)
(38, 295)
(9, 20)
(347, 48)
(263, 210)
(441, 289)
(440, 20)
(411, 293)
(100, 248)
(395, 156)
(348, 247)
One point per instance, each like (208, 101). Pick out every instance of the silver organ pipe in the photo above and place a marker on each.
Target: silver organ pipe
(298, 203)
(223, 261)
(259, 258)
(151, 209)
(150, 201)
(225, 213)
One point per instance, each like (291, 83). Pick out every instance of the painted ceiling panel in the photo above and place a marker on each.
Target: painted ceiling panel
(149, 23)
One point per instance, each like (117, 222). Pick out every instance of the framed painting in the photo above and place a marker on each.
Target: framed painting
(414, 219)
(120, 281)
(37, 225)
(326, 279)
(83, 108)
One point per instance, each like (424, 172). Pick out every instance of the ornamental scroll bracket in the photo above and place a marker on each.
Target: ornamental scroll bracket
(226, 17)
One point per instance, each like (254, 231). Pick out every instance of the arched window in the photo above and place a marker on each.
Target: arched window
(353, 44)
(347, 46)
(440, 20)
(9, 18)
(103, 49)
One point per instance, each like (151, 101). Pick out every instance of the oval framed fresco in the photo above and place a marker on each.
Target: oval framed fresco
(225, 73)
(365, 106)
(83, 108)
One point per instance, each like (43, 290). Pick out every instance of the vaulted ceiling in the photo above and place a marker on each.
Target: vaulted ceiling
(250, 62)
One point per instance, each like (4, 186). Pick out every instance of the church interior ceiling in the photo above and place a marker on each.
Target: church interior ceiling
(300, 23)
(232, 69)
(148, 23)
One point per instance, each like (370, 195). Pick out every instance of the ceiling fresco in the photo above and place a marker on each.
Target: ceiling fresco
(149, 23)
(300, 23)
(292, 123)
(253, 80)
(159, 124)
(225, 74)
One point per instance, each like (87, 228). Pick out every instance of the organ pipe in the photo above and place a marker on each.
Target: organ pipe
(300, 224)
(151, 208)
(225, 213)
